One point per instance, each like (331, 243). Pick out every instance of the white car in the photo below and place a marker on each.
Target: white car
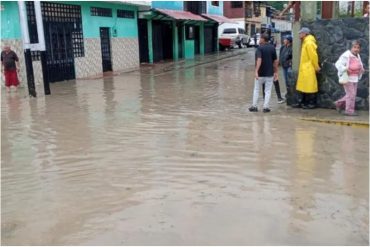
(236, 35)
(254, 42)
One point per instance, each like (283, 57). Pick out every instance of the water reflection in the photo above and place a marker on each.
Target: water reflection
(174, 158)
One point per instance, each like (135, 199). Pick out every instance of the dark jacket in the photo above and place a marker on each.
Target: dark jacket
(285, 56)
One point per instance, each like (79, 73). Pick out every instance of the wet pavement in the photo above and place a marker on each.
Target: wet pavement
(175, 158)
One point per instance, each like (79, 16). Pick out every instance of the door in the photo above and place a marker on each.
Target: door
(196, 40)
(59, 51)
(180, 39)
(105, 49)
(162, 41)
(143, 41)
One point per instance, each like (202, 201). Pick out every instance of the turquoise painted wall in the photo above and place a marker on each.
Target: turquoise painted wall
(10, 26)
(215, 10)
(189, 49)
(174, 5)
(126, 28)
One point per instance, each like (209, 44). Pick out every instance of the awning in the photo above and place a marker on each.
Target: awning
(180, 15)
(219, 18)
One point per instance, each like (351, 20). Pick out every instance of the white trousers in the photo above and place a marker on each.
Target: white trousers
(268, 85)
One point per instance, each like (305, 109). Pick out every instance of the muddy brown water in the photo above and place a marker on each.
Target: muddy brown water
(176, 159)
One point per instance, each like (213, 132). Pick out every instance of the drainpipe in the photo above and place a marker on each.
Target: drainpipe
(42, 48)
(27, 48)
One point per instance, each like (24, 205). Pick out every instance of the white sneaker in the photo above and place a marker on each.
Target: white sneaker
(280, 101)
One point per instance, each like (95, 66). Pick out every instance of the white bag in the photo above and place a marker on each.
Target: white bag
(343, 78)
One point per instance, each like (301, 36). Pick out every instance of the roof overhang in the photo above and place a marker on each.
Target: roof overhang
(219, 19)
(166, 14)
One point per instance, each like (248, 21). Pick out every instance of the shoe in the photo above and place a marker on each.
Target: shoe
(280, 101)
(296, 105)
(265, 110)
(308, 107)
(353, 114)
(338, 109)
(253, 109)
(305, 107)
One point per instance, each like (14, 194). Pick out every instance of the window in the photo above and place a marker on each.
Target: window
(70, 17)
(125, 14)
(241, 31)
(95, 11)
(236, 4)
(196, 7)
(189, 32)
(229, 30)
(215, 3)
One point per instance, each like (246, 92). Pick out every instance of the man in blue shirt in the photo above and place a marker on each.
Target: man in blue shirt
(266, 72)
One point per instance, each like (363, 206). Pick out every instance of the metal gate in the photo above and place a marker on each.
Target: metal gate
(63, 39)
(105, 49)
(59, 46)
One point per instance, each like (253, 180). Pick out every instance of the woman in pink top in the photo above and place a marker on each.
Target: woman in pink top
(350, 62)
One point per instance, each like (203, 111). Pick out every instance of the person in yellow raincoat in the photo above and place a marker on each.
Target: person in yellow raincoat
(309, 65)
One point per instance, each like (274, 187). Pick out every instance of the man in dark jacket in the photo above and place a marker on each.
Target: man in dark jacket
(285, 57)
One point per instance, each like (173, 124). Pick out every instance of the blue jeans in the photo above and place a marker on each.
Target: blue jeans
(285, 73)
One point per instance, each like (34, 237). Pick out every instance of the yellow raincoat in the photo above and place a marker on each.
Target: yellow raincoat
(307, 82)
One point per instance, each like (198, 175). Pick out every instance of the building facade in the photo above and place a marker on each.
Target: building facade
(82, 38)
(179, 30)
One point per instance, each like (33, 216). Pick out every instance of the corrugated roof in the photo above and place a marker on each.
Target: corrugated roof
(180, 15)
(219, 18)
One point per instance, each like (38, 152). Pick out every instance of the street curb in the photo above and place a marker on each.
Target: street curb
(339, 122)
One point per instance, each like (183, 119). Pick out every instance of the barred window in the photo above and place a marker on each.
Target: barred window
(52, 14)
(96, 11)
(125, 14)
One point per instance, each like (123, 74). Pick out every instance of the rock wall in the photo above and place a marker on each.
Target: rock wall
(334, 37)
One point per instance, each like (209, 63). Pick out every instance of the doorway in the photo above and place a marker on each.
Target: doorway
(105, 49)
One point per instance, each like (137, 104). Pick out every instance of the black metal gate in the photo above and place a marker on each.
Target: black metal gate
(196, 40)
(162, 41)
(63, 39)
(59, 55)
(143, 41)
(210, 39)
(105, 49)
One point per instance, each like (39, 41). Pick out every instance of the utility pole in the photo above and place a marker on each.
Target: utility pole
(307, 13)
(42, 48)
(27, 49)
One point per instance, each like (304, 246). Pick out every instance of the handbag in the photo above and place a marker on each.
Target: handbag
(343, 78)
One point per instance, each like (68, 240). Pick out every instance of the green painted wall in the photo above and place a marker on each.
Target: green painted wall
(126, 28)
(201, 38)
(189, 49)
(10, 26)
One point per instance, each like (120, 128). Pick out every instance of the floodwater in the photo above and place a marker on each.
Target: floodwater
(176, 159)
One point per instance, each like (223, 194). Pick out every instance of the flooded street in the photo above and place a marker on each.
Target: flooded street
(175, 158)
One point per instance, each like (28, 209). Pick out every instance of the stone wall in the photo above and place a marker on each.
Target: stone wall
(334, 37)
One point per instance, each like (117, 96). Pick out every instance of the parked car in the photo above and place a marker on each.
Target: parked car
(233, 36)
(254, 40)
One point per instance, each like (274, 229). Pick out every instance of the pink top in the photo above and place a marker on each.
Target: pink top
(354, 68)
